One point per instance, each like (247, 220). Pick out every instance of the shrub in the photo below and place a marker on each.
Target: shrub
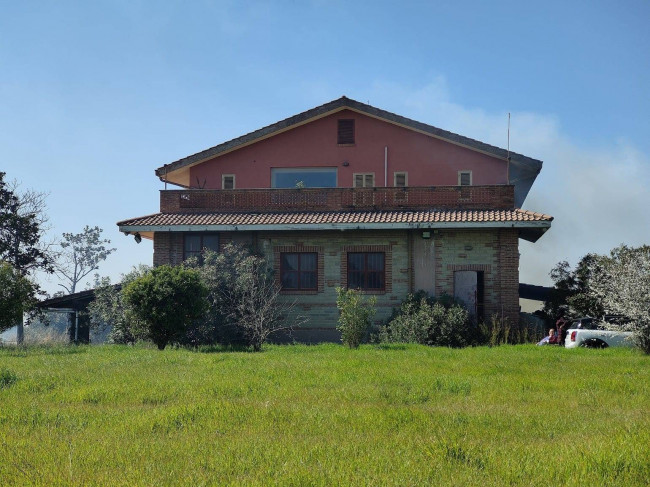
(355, 315)
(109, 309)
(244, 300)
(165, 301)
(429, 321)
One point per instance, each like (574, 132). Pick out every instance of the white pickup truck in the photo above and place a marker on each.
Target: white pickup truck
(588, 332)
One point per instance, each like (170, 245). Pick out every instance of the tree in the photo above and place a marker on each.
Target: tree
(570, 294)
(621, 282)
(17, 294)
(244, 297)
(22, 217)
(21, 220)
(81, 255)
(109, 308)
(165, 301)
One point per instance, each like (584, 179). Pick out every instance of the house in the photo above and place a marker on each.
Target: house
(346, 194)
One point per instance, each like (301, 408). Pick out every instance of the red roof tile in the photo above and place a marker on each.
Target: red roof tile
(340, 217)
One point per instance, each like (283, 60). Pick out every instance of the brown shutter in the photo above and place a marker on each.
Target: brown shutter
(346, 132)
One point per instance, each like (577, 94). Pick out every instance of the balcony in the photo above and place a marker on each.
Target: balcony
(332, 199)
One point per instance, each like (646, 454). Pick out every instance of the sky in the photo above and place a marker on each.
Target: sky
(95, 95)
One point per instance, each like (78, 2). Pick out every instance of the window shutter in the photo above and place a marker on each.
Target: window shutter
(229, 182)
(346, 132)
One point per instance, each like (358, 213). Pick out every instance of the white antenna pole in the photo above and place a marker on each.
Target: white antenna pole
(508, 135)
(508, 157)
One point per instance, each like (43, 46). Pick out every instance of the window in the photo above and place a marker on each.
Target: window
(401, 179)
(195, 243)
(345, 132)
(364, 180)
(227, 181)
(464, 178)
(299, 270)
(366, 270)
(303, 177)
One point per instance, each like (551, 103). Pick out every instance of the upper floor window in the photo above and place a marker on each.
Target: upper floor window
(195, 243)
(303, 177)
(401, 179)
(366, 270)
(299, 270)
(464, 178)
(227, 181)
(364, 180)
(345, 132)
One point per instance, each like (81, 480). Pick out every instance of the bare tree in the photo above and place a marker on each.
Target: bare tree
(80, 255)
(244, 296)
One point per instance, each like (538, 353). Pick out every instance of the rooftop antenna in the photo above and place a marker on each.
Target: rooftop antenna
(508, 135)
(508, 156)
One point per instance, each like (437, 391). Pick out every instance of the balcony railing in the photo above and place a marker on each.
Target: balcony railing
(331, 199)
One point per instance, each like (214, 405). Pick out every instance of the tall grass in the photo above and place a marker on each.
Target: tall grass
(324, 415)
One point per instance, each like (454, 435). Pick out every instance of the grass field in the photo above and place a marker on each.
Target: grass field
(324, 415)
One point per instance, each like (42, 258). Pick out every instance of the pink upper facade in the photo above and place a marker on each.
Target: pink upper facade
(380, 147)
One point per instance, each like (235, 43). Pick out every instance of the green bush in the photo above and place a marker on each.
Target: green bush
(354, 315)
(429, 321)
(109, 309)
(166, 300)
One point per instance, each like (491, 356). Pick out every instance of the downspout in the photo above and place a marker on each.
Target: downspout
(386, 167)
(76, 327)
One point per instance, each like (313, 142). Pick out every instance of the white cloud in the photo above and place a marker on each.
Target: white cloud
(598, 195)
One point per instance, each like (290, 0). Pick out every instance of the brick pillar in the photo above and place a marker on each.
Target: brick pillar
(509, 274)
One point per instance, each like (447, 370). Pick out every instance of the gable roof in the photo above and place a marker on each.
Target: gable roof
(336, 106)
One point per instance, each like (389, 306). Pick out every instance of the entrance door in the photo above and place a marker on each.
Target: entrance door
(466, 290)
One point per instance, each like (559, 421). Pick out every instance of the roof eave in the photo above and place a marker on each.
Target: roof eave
(530, 231)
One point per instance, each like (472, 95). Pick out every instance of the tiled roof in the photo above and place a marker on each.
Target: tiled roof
(339, 217)
(533, 165)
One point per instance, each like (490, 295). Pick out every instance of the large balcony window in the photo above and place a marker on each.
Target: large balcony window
(303, 177)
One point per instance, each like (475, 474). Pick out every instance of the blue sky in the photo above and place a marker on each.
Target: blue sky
(95, 95)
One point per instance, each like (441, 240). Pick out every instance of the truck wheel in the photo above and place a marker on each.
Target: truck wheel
(594, 343)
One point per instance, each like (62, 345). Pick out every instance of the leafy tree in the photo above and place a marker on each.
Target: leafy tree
(22, 217)
(17, 294)
(82, 252)
(355, 314)
(109, 308)
(165, 301)
(244, 298)
(21, 220)
(621, 282)
(570, 294)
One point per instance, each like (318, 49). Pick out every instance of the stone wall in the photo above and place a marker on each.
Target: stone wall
(492, 251)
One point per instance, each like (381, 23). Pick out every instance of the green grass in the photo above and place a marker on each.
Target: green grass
(324, 415)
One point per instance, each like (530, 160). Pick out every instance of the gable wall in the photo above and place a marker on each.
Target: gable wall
(428, 161)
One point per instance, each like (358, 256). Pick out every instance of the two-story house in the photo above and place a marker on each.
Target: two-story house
(346, 194)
